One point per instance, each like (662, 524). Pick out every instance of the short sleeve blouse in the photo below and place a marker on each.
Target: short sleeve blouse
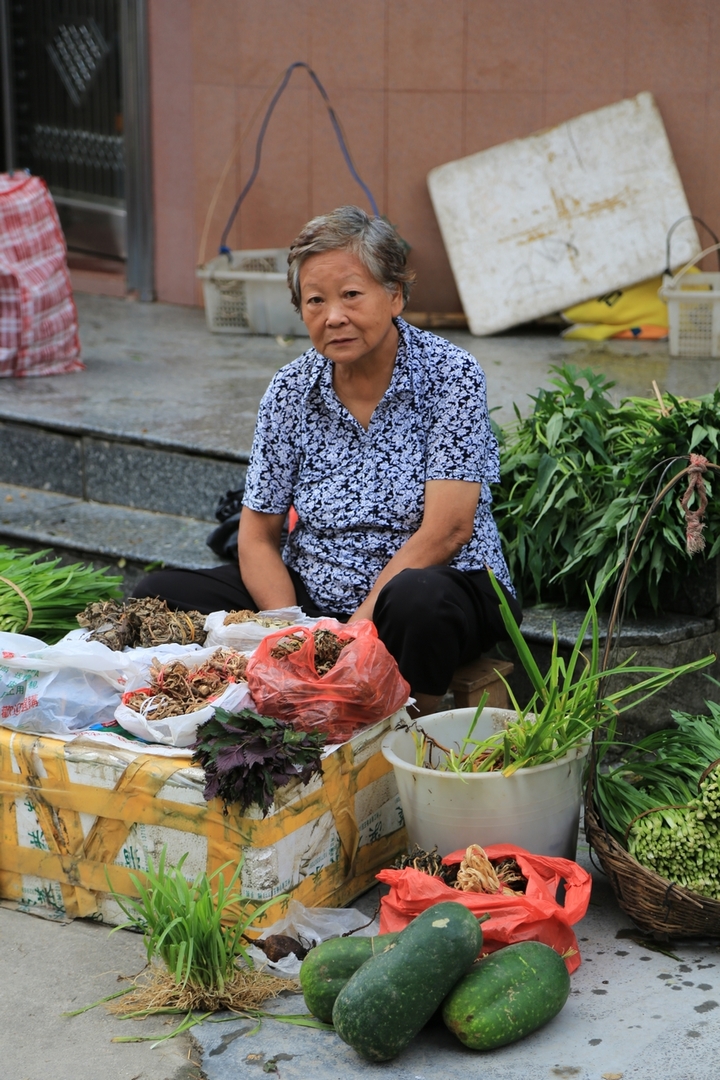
(359, 494)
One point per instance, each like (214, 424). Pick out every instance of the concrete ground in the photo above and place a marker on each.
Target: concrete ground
(634, 1012)
(155, 371)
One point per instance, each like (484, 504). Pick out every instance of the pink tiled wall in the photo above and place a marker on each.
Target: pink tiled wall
(415, 83)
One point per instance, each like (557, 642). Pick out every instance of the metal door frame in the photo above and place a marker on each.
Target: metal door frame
(138, 148)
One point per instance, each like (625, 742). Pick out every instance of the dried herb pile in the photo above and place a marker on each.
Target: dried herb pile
(476, 873)
(328, 647)
(247, 757)
(176, 689)
(141, 622)
(245, 615)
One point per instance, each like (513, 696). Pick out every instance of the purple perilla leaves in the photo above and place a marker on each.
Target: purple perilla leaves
(247, 757)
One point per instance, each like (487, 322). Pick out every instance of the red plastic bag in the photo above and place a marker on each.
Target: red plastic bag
(363, 687)
(38, 320)
(531, 916)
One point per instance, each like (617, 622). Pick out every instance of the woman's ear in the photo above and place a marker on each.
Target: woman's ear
(398, 302)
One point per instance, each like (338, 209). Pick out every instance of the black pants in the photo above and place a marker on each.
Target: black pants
(431, 620)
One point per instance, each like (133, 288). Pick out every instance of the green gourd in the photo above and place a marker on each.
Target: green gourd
(328, 966)
(507, 995)
(393, 995)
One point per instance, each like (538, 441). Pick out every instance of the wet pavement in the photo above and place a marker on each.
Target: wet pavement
(156, 374)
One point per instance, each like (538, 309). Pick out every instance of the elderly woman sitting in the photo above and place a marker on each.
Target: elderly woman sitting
(379, 437)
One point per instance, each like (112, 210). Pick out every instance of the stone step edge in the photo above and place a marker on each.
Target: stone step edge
(72, 428)
(101, 530)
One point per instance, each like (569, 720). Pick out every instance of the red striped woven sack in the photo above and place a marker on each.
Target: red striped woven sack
(38, 319)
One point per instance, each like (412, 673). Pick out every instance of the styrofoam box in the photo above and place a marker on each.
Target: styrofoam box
(536, 225)
(247, 293)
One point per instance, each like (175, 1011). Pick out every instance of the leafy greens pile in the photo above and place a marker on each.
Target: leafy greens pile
(40, 596)
(247, 757)
(578, 475)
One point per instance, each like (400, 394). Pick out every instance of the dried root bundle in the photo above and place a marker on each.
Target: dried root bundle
(477, 874)
(176, 689)
(141, 622)
(246, 615)
(155, 990)
(427, 862)
(328, 647)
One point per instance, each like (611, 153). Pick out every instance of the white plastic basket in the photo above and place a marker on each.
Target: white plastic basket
(247, 293)
(693, 310)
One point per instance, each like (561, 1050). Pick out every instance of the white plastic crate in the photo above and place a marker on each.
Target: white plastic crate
(247, 293)
(693, 310)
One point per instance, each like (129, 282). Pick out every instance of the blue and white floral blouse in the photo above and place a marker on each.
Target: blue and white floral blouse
(359, 494)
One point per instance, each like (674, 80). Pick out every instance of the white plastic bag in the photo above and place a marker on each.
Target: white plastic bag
(57, 689)
(246, 636)
(175, 730)
(310, 926)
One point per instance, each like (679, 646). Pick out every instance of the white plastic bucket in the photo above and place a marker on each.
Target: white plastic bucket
(538, 808)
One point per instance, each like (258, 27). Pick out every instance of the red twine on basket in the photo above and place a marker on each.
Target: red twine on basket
(694, 524)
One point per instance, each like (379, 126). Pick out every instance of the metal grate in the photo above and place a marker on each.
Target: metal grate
(77, 51)
(77, 147)
(68, 94)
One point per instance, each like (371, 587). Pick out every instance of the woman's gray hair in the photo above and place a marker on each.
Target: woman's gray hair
(374, 241)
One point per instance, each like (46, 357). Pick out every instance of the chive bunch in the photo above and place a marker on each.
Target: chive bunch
(663, 801)
(567, 705)
(38, 596)
(183, 922)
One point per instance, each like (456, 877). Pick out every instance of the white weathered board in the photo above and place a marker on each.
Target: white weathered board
(535, 225)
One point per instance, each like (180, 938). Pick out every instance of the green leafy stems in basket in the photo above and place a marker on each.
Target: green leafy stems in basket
(568, 703)
(182, 921)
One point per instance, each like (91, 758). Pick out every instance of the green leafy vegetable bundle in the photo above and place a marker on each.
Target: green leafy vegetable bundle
(247, 757)
(41, 597)
(662, 801)
(577, 476)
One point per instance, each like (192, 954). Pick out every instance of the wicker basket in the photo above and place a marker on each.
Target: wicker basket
(659, 907)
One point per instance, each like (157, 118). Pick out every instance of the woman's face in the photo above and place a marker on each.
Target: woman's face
(347, 313)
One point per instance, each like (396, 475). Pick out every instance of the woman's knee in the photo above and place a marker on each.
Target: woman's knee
(419, 599)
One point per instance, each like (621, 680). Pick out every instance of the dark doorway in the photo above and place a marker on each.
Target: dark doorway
(79, 79)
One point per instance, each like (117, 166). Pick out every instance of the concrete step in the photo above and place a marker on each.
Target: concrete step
(121, 537)
(116, 469)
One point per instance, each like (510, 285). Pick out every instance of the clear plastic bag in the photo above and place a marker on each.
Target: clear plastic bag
(58, 689)
(246, 636)
(363, 687)
(310, 926)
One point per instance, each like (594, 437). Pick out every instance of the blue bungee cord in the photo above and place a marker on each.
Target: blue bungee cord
(224, 249)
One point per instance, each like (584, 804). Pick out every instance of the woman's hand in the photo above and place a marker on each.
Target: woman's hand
(262, 570)
(447, 525)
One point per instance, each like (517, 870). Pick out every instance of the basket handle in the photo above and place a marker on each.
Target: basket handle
(674, 280)
(673, 227)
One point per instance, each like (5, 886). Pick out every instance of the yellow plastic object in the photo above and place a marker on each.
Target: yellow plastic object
(73, 818)
(634, 312)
